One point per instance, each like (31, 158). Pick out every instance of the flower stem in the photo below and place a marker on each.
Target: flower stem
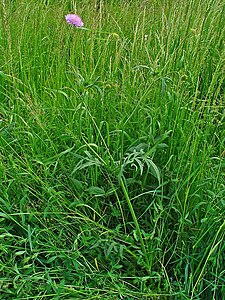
(143, 248)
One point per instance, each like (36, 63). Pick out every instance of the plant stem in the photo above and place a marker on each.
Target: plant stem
(143, 248)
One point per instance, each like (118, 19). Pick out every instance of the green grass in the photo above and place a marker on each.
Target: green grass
(112, 150)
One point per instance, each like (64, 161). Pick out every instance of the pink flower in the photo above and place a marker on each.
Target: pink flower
(74, 20)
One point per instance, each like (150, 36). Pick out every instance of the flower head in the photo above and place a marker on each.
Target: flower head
(74, 20)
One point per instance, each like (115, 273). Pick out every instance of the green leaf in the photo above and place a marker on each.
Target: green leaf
(18, 253)
(96, 191)
(3, 75)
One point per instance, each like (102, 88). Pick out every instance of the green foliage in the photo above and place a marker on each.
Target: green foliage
(112, 150)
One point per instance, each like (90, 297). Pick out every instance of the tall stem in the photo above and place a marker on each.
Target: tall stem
(143, 248)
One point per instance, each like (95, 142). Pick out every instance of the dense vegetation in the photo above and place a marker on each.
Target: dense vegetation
(112, 150)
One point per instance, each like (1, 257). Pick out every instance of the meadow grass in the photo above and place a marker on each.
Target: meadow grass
(112, 150)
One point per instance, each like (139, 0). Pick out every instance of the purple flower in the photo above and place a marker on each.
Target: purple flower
(74, 20)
